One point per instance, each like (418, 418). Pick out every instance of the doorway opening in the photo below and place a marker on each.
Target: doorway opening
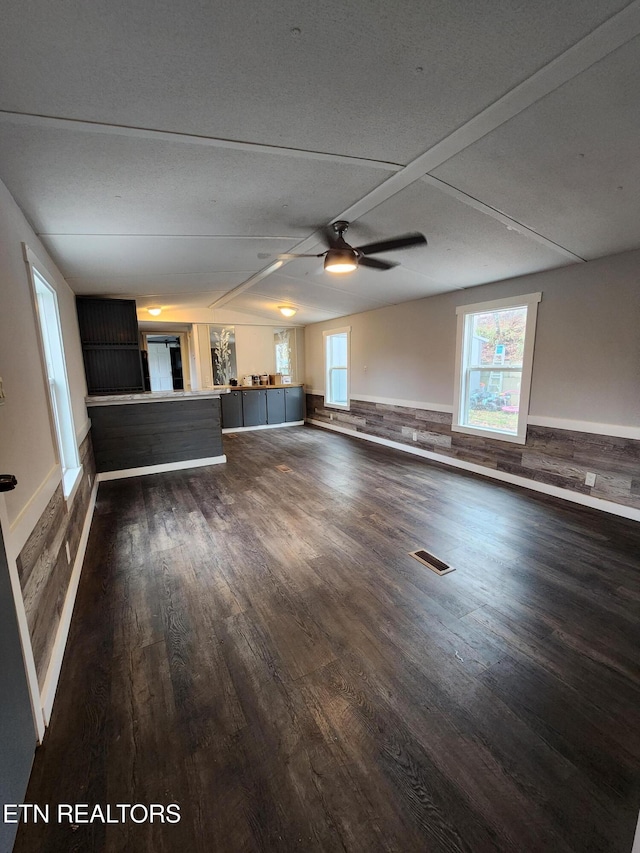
(164, 365)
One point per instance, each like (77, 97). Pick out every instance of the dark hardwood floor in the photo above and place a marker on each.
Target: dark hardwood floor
(253, 642)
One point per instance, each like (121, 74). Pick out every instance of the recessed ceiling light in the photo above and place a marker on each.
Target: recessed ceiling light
(154, 311)
(287, 310)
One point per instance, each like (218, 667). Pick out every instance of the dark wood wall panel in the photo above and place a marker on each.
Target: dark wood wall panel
(43, 568)
(557, 457)
(140, 434)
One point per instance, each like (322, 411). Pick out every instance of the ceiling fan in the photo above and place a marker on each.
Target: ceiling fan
(340, 257)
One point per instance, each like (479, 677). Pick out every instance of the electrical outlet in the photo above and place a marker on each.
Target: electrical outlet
(331, 416)
(415, 435)
(66, 545)
(590, 479)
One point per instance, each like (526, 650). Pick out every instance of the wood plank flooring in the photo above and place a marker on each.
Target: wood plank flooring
(254, 643)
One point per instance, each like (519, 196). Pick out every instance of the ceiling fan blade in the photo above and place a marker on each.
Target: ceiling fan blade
(375, 264)
(287, 257)
(394, 243)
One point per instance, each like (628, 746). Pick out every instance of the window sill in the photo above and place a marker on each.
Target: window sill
(343, 407)
(496, 435)
(70, 483)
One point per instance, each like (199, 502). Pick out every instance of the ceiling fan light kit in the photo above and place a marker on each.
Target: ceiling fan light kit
(340, 257)
(341, 260)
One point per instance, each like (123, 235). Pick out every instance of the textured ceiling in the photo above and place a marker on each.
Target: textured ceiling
(170, 150)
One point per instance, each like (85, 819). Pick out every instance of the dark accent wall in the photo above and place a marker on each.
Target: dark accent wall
(43, 568)
(139, 434)
(556, 457)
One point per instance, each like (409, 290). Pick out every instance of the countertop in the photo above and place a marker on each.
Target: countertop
(172, 396)
(257, 387)
(154, 397)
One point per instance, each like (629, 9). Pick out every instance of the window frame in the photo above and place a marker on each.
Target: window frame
(530, 302)
(54, 372)
(327, 384)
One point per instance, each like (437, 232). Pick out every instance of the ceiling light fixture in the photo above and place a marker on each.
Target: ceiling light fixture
(287, 310)
(154, 311)
(341, 260)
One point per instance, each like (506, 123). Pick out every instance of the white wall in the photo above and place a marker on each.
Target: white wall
(27, 445)
(587, 353)
(255, 350)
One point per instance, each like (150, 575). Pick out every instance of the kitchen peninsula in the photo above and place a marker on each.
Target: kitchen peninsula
(146, 432)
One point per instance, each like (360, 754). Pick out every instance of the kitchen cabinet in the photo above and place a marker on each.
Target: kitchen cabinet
(275, 405)
(110, 346)
(294, 404)
(254, 407)
(232, 410)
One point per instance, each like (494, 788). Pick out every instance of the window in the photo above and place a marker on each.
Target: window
(336, 367)
(493, 367)
(56, 374)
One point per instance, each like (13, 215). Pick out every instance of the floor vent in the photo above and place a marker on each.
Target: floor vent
(284, 468)
(431, 562)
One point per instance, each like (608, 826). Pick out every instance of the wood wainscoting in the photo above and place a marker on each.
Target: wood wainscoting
(557, 457)
(43, 566)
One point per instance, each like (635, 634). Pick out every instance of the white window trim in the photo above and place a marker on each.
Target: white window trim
(72, 475)
(344, 407)
(530, 301)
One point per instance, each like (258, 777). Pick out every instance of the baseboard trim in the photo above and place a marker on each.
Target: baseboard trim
(52, 677)
(160, 469)
(262, 426)
(553, 491)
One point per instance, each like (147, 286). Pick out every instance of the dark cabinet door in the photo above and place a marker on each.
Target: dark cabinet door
(294, 404)
(275, 405)
(110, 347)
(254, 407)
(231, 409)
(107, 321)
